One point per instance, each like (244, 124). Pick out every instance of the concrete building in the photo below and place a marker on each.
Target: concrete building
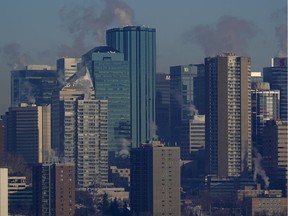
(29, 132)
(120, 177)
(80, 129)
(265, 104)
(192, 138)
(187, 91)
(228, 115)
(138, 44)
(155, 180)
(4, 191)
(275, 154)
(111, 80)
(66, 68)
(19, 194)
(54, 189)
(277, 77)
(163, 122)
(267, 206)
(34, 84)
(256, 76)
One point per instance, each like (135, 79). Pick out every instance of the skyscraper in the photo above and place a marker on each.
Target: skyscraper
(264, 106)
(54, 189)
(277, 77)
(80, 127)
(155, 180)
(163, 107)
(29, 132)
(228, 115)
(184, 89)
(111, 80)
(35, 84)
(138, 44)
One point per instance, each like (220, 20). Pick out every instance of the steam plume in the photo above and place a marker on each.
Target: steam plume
(153, 129)
(85, 21)
(281, 31)
(230, 34)
(12, 54)
(258, 170)
(125, 146)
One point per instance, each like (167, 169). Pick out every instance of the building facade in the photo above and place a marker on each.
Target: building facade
(66, 68)
(111, 81)
(277, 77)
(29, 132)
(265, 104)
(228, 115)
(139, 47)
(155, 180)
(35, 84)
(187, 92)
(4, 191)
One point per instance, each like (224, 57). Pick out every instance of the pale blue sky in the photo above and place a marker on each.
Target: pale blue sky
(186, 29)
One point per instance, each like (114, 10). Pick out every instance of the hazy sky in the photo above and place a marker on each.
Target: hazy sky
(38, 32)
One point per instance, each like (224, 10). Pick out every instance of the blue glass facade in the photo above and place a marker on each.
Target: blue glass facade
(139, 47)
(110, 76)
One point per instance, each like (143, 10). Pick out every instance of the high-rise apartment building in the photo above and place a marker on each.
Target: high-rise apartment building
(228, 115)
(54, 189)
(4, 191)
(277, 77)
(35, 84)
(138, 44)
(111, 80)
(80, 129)
(264, 106)
(275, 153)
(155, 180)
(163, 107)
(185, 90)
(29, 132)
(66, 68)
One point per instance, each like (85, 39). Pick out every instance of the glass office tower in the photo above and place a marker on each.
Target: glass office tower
(138, 44)
(110, 76)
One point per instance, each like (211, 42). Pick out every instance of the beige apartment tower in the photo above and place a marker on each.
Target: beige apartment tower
(228, 118)
(155, 180)
(3, 191)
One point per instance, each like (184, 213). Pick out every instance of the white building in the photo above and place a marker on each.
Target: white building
(4, 191)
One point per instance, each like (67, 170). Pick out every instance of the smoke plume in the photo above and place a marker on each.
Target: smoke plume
(14, 56)
(281, 31)
(125, 146)
(230, 34)
(258, 170)
(82, 22)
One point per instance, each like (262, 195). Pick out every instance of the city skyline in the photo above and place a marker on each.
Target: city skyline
(179, 29)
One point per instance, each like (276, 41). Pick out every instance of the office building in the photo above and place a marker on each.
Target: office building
(256, 76)
(155, 180)
(111, 80)
(4, 191)
(277, 77)
(66, 68)
(275, 154)
(264, 106)
(54, 189)
(192, 139)
(35, 84)
(29, 132)
(228, 115)
(187, 96)
(80, 129)
(163, 123)
(138, 44)
(19, 194)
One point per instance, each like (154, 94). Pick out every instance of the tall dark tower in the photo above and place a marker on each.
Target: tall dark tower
(228, 114)
(139, 47)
